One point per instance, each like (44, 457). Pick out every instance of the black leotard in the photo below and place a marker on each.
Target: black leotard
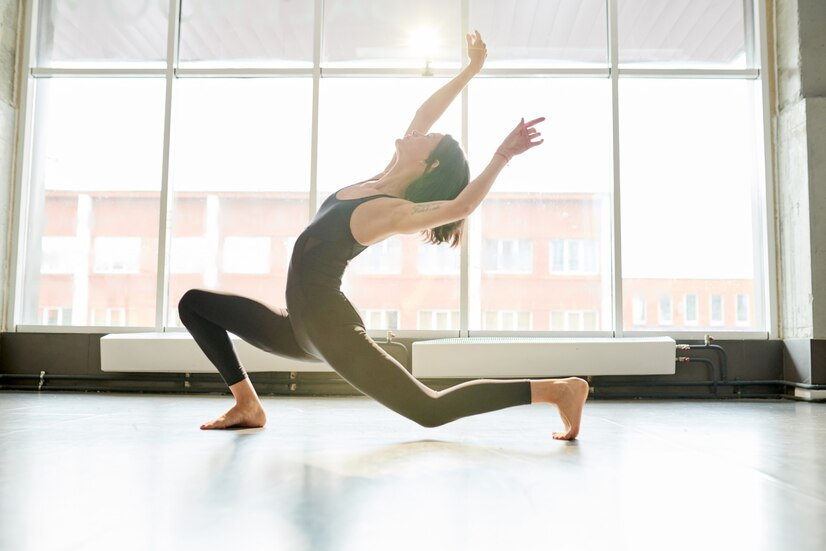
(323, 325)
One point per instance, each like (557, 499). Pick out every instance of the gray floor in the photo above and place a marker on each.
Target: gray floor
(87, 472)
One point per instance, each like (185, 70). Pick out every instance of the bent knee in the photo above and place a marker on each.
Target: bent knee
(190, 300)
(428, 421)
(427, 413)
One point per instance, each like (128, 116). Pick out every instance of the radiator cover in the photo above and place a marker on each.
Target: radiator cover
(543, 357)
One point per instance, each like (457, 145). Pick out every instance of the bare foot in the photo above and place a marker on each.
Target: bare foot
(570, 405)
(569, 396)
(240, 416)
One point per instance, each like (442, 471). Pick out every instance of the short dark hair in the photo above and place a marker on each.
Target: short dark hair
(442, 183)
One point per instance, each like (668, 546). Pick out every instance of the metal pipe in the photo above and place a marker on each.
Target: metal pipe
(91, 377)
(707, 345)
(163, 377)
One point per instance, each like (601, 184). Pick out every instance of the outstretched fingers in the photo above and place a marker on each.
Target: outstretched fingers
(533, 122)
(527, 130)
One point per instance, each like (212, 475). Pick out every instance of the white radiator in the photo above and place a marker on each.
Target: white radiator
(178, 353)
(463, 358)
(543, 357)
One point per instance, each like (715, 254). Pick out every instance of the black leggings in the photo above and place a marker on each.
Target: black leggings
(334, 333)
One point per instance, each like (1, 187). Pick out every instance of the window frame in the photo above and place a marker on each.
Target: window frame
(766, 301)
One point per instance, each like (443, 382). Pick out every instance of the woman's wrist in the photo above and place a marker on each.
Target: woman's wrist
(504, 154)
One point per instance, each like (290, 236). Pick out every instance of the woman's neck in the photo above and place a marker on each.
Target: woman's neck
(396, 180)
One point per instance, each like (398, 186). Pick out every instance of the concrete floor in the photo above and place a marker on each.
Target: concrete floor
(88, 472)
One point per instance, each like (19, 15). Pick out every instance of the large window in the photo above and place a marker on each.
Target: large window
(163, 157)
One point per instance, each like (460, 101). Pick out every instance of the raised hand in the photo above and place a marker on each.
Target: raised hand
(477, 50)
(521, 139)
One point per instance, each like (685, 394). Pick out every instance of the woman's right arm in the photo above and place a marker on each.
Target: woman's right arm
(522, 138)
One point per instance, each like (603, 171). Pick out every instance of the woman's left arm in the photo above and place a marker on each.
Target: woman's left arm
(435, 106)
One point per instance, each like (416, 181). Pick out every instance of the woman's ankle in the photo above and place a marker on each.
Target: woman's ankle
(244, 393)
(547, 391)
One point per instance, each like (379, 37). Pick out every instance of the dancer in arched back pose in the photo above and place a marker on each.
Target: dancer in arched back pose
(425, 188)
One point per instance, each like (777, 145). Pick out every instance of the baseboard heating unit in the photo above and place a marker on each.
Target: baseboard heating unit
(178, 353)
(543, 357)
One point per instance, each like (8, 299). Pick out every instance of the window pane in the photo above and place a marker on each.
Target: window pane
(742, 309)
(439, 259)
(690, 147)
(188, 256)
(391, 33)
(59, 255)
(542, 33)
(354, 147)
(717, 313)
(241, 182)
(691, 315)
(117, 255)
(666, 311)
(639, 312)
(246, 33)
(83, 33)
(529, 230)
(96, 176)
(682, 33)
(246, 255)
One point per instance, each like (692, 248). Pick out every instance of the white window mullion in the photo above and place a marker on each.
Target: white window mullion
(613, 55)
(766, 295)
(464, 261)
(165, 215)
(317, 37)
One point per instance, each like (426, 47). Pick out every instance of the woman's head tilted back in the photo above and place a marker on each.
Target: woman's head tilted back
(442, 183)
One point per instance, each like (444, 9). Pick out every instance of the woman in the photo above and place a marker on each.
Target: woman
(425, 188)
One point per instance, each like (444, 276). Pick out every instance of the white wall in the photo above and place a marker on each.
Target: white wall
(800, 36)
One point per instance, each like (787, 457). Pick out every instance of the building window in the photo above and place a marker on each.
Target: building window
(716, 309)
(380, 319)
(508, 320)
(117, 255)
(508, 256)
(56, 316)
(109, 317)
(566, 320)
(59, 255)
(384, 258)
(246, 255)
(743, 310)
(691, 314)
(439, 259)
(638, 311)
(439, 320)
(666, 311)
(574, 256)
